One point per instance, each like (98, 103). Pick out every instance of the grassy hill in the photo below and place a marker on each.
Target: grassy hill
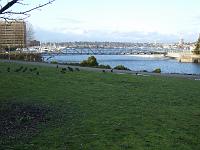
(46, 109)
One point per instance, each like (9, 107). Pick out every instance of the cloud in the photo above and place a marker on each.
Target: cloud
(79, 34)
(195, 20)
(68, 20)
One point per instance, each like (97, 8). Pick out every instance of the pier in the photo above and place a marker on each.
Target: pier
(184, 56)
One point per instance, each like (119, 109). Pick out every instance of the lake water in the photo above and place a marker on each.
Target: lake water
(135, 62)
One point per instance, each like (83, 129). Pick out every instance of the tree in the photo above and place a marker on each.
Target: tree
(197, 48)
(91, 62)
(7, 13)
(29, 33)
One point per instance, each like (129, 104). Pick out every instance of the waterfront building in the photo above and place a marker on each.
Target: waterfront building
(34, 43)
(181, 43)
(12, 34)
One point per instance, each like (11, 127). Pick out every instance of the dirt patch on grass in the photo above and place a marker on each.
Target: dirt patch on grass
(18, 119)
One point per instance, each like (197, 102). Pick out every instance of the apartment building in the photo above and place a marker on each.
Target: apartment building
(12, 34)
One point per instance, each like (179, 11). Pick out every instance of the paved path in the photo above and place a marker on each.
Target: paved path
(185, 76)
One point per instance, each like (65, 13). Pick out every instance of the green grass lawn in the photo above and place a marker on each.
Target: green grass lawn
(96, 111)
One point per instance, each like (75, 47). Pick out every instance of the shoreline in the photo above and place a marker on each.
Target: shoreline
(138, 73)
(134, 62)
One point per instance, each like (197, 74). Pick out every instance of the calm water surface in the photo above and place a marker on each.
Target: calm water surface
(135, 62)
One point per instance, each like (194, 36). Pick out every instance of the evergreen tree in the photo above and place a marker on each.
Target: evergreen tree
(197, 48)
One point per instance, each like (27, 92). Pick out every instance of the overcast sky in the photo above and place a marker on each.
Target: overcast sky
(118, 20)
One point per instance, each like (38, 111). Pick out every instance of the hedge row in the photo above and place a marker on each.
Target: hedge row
(22, 56)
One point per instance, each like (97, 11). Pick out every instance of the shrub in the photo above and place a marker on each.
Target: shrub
(84, 63)
(144, 71)
(54, 62)
(104, 66)
(121, 67)
(90, 62)
(158, 70)
(22, 56)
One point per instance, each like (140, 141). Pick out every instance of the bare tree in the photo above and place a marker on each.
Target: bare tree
(29, 33)
(7, 13)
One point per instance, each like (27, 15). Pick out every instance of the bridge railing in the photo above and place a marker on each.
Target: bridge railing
(118, 51)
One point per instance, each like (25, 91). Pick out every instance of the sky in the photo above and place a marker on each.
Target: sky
(117, 20)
